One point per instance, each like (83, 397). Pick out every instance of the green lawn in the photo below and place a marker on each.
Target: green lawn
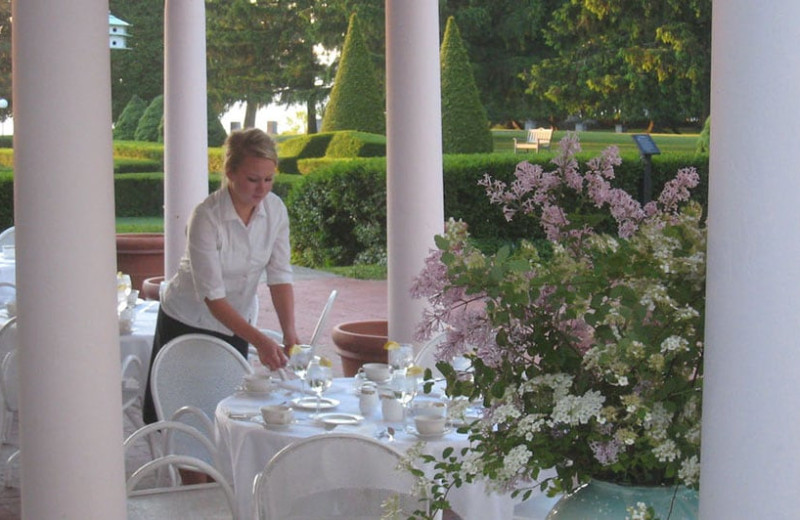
(596, 141)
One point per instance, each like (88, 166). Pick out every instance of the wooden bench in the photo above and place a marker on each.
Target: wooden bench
(537, 138)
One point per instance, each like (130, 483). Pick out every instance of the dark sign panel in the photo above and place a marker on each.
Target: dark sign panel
(646, 144)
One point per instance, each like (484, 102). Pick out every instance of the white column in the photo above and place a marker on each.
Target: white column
(751, 416)
(415, 204)
(71, 414)
(185, 123)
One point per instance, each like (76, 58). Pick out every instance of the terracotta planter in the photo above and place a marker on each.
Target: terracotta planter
(151, 288)
(359, 342)
(140, 255)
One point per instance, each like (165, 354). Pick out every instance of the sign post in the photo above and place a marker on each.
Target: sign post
(647, 148)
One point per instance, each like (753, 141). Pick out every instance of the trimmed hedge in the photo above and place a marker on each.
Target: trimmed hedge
(338, 213)
(356, 144)
(135, 165)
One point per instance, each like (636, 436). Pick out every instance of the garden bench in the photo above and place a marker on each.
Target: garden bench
(537, 138)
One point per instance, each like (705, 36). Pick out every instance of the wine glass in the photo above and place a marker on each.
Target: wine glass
(401, 357)
(319, 375)
(404, 384)
(299, 358)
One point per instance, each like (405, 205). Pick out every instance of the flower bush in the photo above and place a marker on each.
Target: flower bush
(586, 350)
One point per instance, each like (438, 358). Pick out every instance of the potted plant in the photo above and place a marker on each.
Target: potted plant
(586, 347)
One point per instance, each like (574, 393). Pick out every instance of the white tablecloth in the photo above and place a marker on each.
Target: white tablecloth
(140, 341)
(8, 270)
(247, 446)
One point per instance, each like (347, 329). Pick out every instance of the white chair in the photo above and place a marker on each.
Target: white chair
(426, 356)
(132, 377)
(8, 343)
(166, 497)
(9, 386)
(7, 237)
(334, 476)
(323, 318)
(190, 375)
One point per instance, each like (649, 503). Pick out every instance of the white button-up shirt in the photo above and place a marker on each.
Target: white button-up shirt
(225, 259)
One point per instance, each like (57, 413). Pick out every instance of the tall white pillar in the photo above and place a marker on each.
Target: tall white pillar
(185, 123)
(751, 414)
(415, 204)
(70, 409)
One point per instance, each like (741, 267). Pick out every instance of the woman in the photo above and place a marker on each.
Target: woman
(235, 235)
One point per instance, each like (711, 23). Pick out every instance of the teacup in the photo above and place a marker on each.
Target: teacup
(430, 424)
(257, 383)
(377, 372)
(277, 414)
(429, 408)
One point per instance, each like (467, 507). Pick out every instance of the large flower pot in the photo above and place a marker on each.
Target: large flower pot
(359, 342)
(140, 255)
(600, 500)
(151, 288)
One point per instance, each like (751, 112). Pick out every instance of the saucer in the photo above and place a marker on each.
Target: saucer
(310, 403)
(338, 419)
(428, 436)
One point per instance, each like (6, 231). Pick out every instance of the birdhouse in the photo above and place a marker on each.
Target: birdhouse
(117, 32)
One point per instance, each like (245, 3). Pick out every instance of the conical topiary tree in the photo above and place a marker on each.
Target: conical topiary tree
(149, 123)
(465, 126)
(125, 127)
(356, 101)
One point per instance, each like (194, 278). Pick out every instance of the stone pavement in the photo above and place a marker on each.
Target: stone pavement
(357, 300)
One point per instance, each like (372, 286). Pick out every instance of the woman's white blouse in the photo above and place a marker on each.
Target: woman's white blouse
(225, 259)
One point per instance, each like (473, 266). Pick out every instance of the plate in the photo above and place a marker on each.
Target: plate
(426, 437)
(252, 393)
(338, 419)
(260, 420)
(310, 403)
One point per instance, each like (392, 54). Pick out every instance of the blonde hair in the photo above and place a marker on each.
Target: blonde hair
(250, 142)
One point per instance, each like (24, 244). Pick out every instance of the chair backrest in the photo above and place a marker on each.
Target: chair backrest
(195, 371)
(8, 337)
(323, 318)
(132, 376)
(162, 437)
(9, 381)
(426, 356)
(196, 501)
(7, 237)
(334, 476)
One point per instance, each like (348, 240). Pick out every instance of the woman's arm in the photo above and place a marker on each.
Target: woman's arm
(283, 301)
(269, 352)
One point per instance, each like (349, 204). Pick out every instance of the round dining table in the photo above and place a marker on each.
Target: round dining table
(246, 444)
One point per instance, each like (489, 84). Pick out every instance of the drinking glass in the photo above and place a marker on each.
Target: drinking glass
(401, 357)
(404, 385)
(319, 378)
(299, 358)
(124, 287)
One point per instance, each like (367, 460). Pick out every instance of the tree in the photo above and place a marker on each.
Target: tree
(628, 60)
(356, 101)
(149, 125)
(503, 39)
(128, 120)
(265, 50)
(465, 127)
(5, 58)
(138, 70)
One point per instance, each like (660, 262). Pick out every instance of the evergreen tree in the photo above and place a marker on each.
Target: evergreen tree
(356, 101)
(465, 126)
(150, 122)
(125, 127)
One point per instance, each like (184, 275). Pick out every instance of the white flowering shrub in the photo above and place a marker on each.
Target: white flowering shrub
(587, 352)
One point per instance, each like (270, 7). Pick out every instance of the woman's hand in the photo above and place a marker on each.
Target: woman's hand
(271, 354)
